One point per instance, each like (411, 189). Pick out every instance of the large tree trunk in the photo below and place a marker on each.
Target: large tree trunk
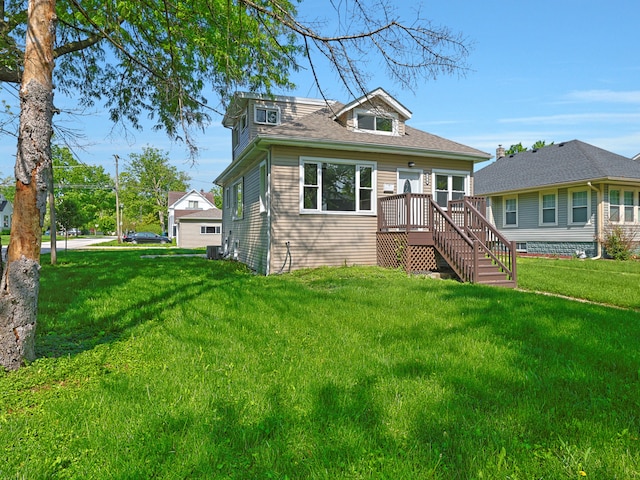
(21, 277)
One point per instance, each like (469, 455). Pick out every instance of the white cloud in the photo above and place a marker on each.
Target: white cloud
(609, 96)
(575, 118)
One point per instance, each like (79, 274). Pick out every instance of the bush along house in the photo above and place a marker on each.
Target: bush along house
(314, 183)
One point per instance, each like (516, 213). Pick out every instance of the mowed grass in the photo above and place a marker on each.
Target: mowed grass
(178, 367)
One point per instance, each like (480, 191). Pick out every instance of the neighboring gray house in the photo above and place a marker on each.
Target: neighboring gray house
(304, 185)
(561, 199)
(194, 220)
(6, 213)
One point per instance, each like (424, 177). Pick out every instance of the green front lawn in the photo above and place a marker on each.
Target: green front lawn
(180, 367)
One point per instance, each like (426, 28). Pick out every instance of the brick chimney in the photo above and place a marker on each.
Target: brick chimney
(499, 152)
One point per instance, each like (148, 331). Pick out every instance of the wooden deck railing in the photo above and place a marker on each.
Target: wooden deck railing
(405, 212)
(461, 233)
(468, 213)
(460, 252)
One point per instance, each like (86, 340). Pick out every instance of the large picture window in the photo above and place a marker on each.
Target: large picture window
(337, 186)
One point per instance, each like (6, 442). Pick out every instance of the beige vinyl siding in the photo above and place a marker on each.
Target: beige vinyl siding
(317, 239)
(189, 235)
(248, 235)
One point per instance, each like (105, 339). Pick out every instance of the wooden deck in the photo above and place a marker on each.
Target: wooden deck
(416, 233)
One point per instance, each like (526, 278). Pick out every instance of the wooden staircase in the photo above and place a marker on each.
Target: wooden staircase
(471, 246)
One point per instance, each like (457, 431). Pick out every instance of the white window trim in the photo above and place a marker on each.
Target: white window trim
(449, 173)
(541, 209)
(504, 211)
(267, 108)
(622, 206)
(570, 193)
(355, 163)
(210, 233)
(376, 113)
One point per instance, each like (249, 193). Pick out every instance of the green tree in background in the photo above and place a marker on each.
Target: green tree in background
(89, 186)
(517, 148)
(144, 188)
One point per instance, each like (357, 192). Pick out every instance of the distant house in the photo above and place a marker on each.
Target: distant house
(194, 220)
(6, 213)
(560, 199)
(315, 183)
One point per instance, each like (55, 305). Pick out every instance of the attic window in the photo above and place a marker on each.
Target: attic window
(267, 115)
(378, 122)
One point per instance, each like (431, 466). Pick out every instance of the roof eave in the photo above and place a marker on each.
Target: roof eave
(261, 142)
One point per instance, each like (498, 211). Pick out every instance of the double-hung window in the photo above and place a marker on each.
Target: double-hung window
(450, 186)
(622, 208)
(329, 185)
(511, 212)
(579, 209)
(548, 208)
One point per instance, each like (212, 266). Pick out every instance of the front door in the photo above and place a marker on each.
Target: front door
(410, 181)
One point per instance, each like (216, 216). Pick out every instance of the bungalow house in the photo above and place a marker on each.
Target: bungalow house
(194, 220)
(562, 198)
(314, 183)
(6, 212)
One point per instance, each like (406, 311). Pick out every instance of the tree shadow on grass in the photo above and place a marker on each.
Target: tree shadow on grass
(106, 294)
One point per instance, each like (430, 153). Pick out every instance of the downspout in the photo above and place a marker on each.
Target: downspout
(599, 221)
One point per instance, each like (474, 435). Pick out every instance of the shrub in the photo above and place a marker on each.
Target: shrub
(619, 242)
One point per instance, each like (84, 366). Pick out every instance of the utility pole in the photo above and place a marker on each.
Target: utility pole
(118, 223)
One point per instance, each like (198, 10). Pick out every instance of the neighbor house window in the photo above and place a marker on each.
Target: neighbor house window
(237, 198)
(209, 229)
(193, 204)
(628, 207)
(337, 186)
(579, 211)
(614, 205)
(511, 212)
(267, 115)
(450, 186)
(376, 122)
(622, 208)
(548, 208)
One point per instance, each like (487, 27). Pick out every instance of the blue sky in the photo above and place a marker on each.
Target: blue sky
(545, 70)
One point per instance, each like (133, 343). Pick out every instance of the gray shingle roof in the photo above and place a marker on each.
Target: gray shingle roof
(557, 164)
(320, 126)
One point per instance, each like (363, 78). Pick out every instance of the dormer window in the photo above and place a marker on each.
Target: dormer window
(378, 122)
(267, 115)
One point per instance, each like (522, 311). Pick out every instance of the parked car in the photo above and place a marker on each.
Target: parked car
(145, 237)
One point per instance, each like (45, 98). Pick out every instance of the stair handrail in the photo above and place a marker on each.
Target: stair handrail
(461, 252)
(473, 219)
